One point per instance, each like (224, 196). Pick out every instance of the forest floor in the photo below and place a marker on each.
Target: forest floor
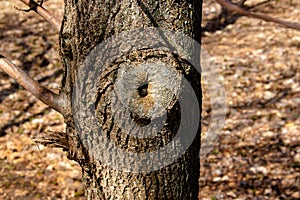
(257, 154)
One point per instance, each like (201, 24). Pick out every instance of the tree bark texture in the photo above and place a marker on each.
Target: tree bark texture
(87, 24)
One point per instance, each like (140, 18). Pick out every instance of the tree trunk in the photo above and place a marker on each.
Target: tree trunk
(129, 87)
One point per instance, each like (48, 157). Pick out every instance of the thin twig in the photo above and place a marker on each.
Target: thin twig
(235, 8)
(42, 12)
(46, 96)
(54, 140)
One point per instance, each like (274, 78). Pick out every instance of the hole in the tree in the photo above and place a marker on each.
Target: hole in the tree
(140, 121)
(143, 89)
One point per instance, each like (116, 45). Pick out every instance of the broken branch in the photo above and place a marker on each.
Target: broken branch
(39, 9)
(53, 140)
(234, 8)
(51, 99)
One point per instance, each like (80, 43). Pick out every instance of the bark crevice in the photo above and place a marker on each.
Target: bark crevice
(88, 24)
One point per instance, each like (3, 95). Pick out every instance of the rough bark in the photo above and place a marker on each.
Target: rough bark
(86, 24)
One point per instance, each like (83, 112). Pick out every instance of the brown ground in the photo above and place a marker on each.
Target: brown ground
(257, 155)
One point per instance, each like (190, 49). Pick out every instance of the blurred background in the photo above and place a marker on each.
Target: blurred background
(257, 155)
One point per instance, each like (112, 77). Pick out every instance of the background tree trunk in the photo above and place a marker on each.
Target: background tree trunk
(85, 25)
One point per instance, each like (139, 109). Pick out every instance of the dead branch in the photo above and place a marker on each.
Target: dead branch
(235, 8)
(39, 9)
(53, 140)
(51, 99)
